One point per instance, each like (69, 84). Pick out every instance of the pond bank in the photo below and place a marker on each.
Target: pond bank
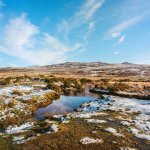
(121, 93)
(65, 104)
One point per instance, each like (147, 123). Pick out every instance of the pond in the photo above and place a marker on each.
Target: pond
(65, 104)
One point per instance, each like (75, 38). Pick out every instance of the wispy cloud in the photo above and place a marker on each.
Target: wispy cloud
(63, 28)
(90, 29)
(24, 40)
(83, 17)
(117, 30)
(87, 11)
(121, 39)
(130, 8)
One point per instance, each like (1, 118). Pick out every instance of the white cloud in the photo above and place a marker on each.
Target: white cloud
(116, 52)
(63, 28)
(18, 33)
(88, 10)
(119, 28)
(121, 39)
(116, 32)
(22, 39)
(84, 16)
(90, 29)
(131, 8)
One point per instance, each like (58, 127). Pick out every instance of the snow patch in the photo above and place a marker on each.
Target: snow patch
(8, 91)
(95, 121)
(61, 118)
(18, 139)
(54, 127)
(19, 129)
(87, 140)
(114, 131)
(138, 134)
(86, 114)
(125, 123)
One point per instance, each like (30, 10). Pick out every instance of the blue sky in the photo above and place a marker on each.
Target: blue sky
(42, 32)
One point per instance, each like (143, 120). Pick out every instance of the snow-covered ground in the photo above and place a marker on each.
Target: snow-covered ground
(25, 91)
(139, 125)
(35, 93)
(13, 100)
(136, 114)
(8, 91)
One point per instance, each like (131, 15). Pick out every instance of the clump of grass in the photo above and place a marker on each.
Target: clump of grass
(17, 92)
(118, 87)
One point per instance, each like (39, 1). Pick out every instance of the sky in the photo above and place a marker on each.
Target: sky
(44, 32)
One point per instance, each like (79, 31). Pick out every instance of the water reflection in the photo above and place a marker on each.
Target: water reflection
(66, 104)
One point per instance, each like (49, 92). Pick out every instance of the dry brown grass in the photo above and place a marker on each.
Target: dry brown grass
(69, 136)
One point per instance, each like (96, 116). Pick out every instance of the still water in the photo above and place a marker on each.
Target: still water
(65, 104)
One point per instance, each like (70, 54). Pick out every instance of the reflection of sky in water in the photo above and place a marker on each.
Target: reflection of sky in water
(65, 104)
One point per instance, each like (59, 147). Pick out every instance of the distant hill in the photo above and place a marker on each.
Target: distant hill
(90, 68)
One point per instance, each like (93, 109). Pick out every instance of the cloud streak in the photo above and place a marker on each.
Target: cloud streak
(83, 17)
(117, 31)
(119, 28)
(87, 11)
(24, 40)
